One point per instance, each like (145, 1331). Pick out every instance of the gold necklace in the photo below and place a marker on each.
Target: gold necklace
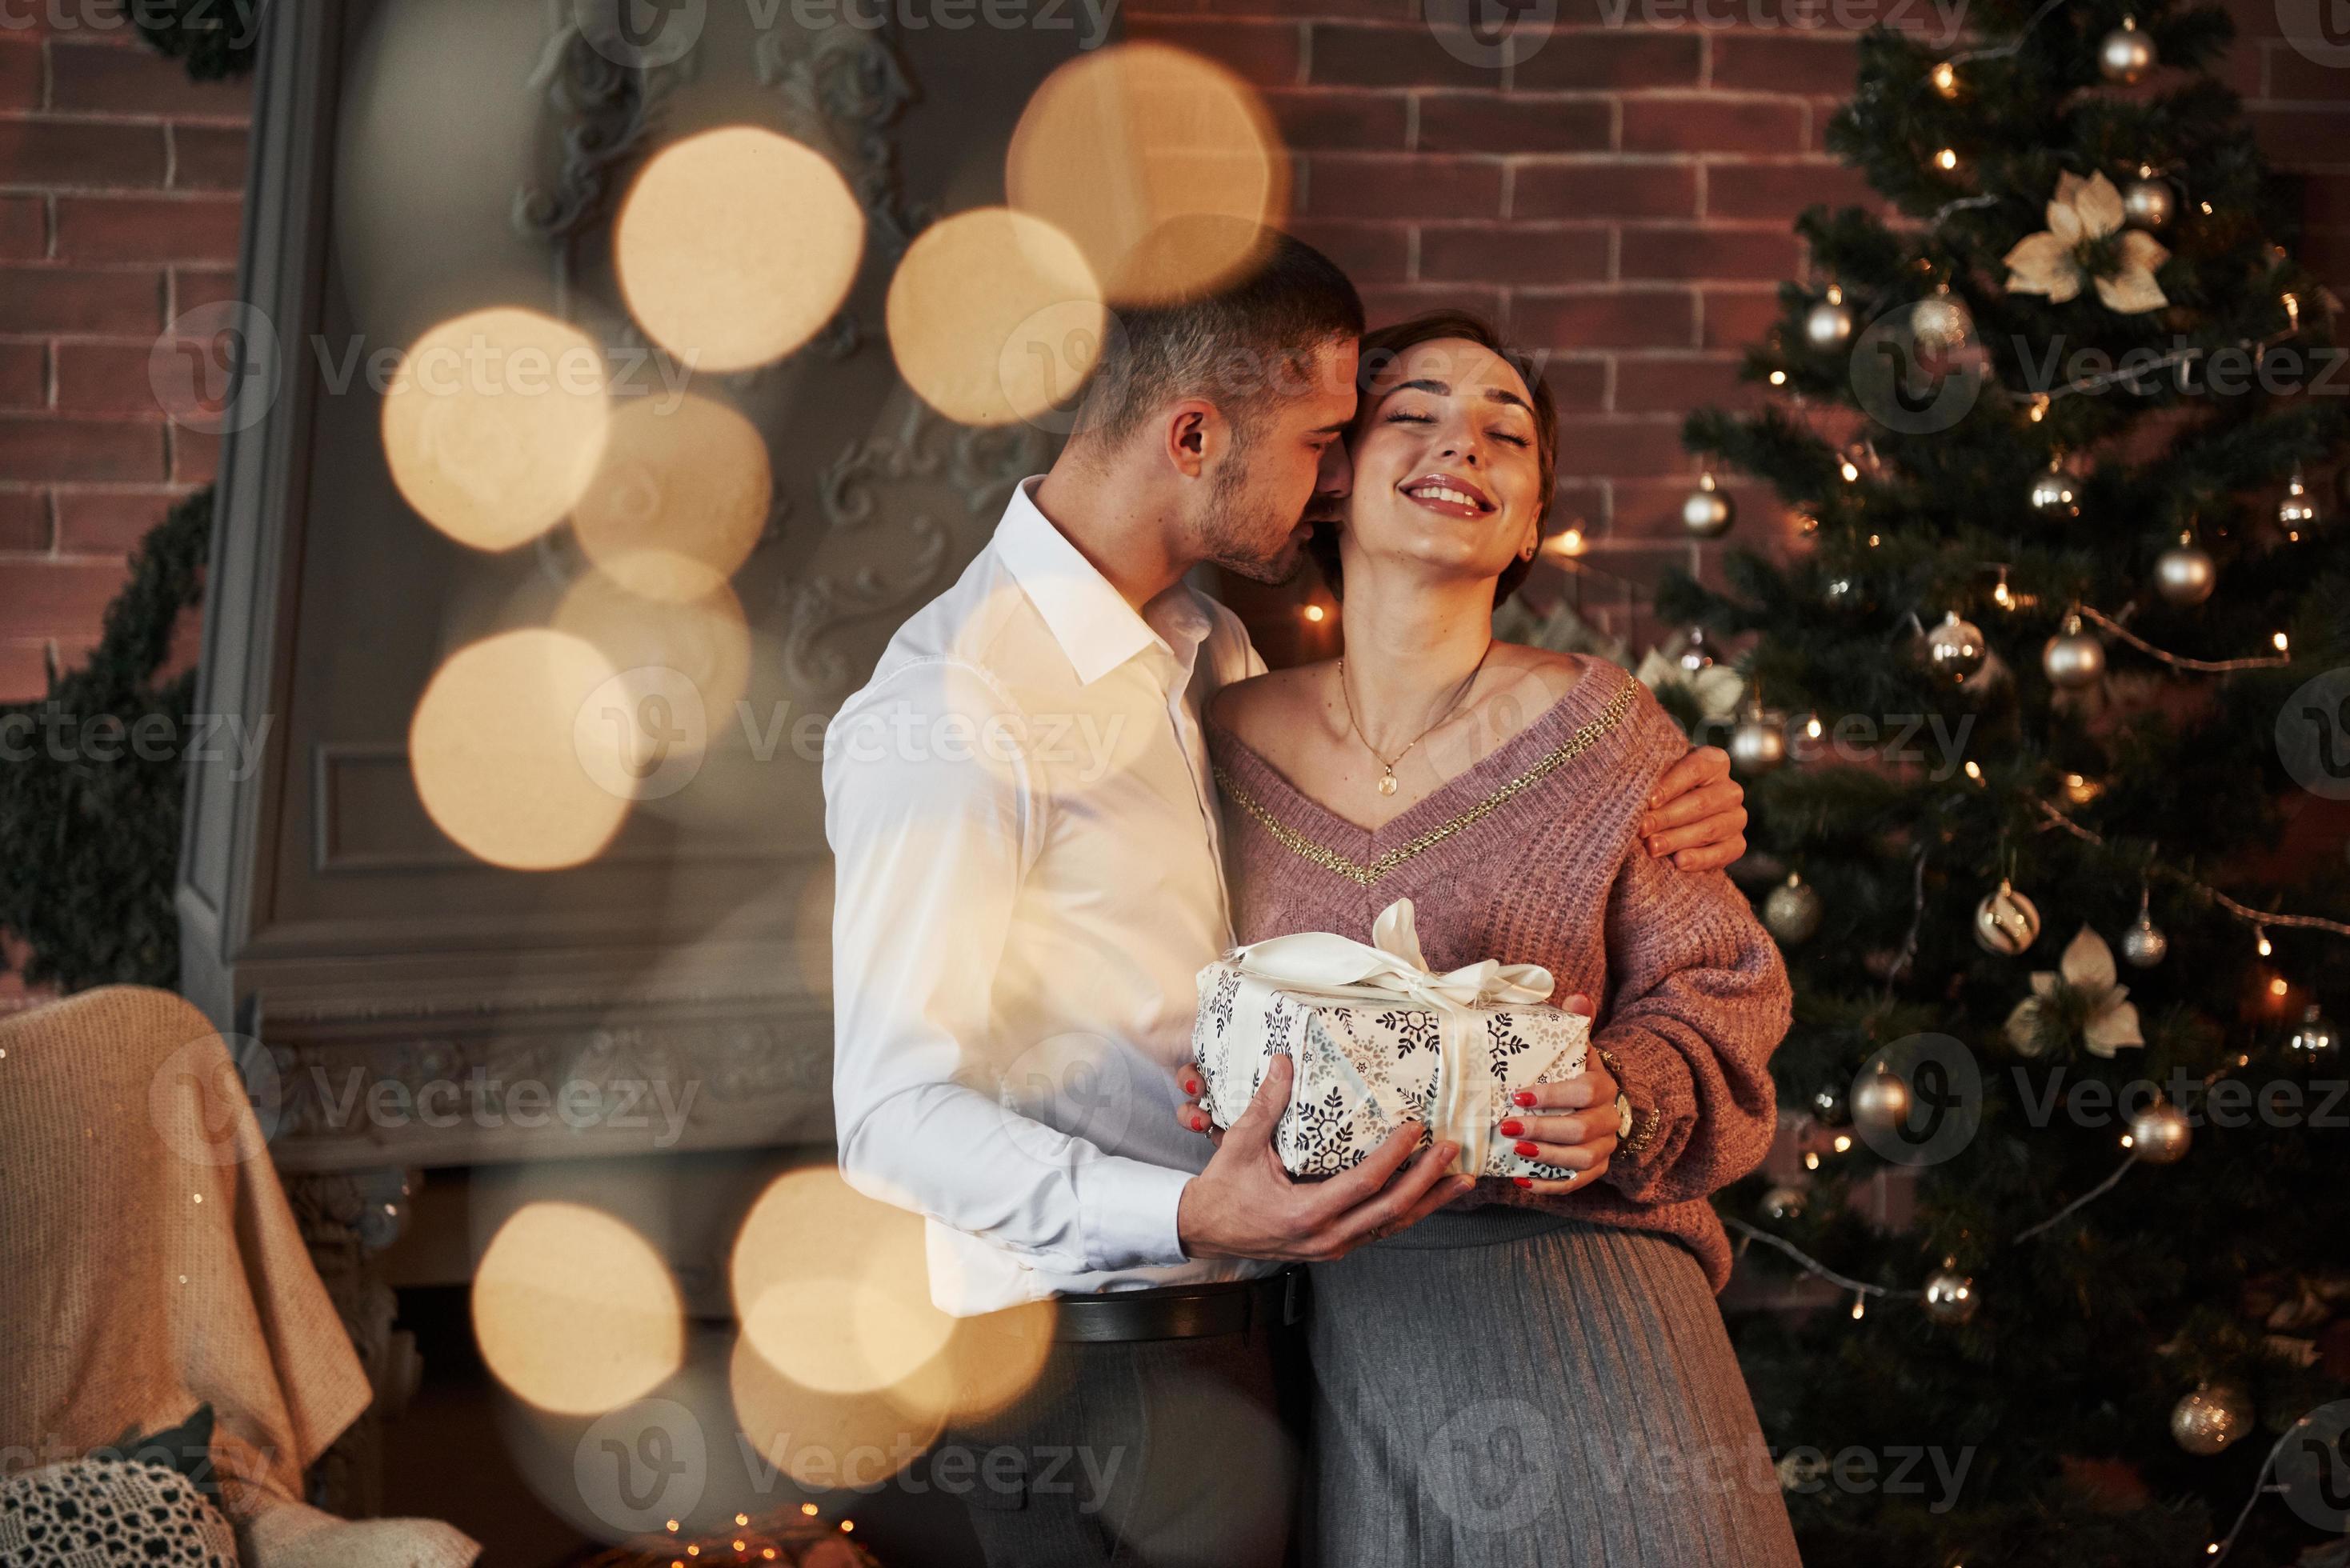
(1386, 764)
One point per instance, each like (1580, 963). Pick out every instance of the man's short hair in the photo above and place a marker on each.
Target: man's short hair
(1242, 341)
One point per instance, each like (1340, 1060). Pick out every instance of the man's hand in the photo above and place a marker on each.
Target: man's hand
(1697, 813)
(1244, 1205)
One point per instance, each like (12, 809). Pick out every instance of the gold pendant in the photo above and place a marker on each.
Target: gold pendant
(1387, 783)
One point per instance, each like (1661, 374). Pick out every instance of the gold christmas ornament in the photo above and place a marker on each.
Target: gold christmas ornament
(2072, 658)
(2127, 54)
(1791, 912)
(1707, 511)
(1954, 649)
(2214, 1415)
(1828, 324)
(2185, 573)
(1940, 321)
(2313, 1039)
(1949, 1296)
(2297, 513)
(2006, 922)
(1880, 1102)
(2159, 1134)
(2051, 494)
(2054, 261)
(2148, 203)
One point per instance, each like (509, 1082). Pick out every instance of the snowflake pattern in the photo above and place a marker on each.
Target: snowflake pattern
(1363, 1069)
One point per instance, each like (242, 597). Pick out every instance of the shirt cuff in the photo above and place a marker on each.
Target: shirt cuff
(1128, 1209)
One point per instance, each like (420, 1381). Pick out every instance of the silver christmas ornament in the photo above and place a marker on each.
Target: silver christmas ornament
(1791, 912)
(1757, 745)
(2051, 494)
(1707, 511)
(2159, 1134)
(2006, 922)
(2185, 573)
(2072, 658)
(1880, 1103)
(1828, 324)
(2147, 204)
(2313, 1039)
(2214, 1415)
(2144, 945)
(1950, 1296)
(1783, 1203)
(1954, 649)
(2127, 54)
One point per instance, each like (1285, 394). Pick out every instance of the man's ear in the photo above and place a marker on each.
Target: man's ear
(1196, 436)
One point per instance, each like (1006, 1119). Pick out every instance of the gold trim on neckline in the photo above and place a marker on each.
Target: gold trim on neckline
(1355, 871)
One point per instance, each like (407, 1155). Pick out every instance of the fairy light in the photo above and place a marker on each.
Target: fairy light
(1570, 543)
(806, 1508)
(741, 1520)
(1778, 378)
(1859, 1307)
(1314, 613)
(1811, 1159)
(1974, 770)
(2039, 407)
(2261, 941)
(1842, 1143)
(2278, 987)
(1851, 472)
(2000, 594)
(1948, 158)
(1946, 79)
(2282, 644)
(2293, 311)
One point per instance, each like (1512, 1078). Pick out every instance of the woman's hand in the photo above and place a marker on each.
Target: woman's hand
(1697, 813)
(1570, 1123)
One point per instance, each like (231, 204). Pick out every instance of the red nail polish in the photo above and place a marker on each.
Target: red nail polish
(1513, 1129)
(1529, 1149)
(1524, 1181)
(1523, 1097)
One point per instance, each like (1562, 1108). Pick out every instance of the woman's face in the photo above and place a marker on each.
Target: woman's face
(1446, 474)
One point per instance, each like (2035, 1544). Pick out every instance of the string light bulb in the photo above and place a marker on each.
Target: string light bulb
(1316, 614)
(2261, 941)
(2281, 641)
(1946, 79)
(1948, 159)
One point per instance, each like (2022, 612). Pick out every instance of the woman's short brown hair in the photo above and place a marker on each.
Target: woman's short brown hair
(1380, 351)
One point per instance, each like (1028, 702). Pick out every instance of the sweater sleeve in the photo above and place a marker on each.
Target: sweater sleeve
(1698, 1000)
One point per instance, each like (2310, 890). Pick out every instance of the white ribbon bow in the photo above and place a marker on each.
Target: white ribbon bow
(1391, 965)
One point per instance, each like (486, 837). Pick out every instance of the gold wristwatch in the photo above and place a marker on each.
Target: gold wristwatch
(1626, 1118)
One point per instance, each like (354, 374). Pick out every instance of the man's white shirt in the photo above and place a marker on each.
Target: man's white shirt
(1030, 876)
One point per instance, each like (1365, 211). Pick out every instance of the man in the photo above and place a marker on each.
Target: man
(1026, 831)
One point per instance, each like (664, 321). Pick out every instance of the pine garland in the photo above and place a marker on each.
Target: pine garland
(92, 781)
(217, 39)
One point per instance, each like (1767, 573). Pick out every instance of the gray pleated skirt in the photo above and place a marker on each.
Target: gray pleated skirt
(1506, 1388)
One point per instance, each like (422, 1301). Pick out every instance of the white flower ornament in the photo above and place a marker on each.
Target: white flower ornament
(2109, 1021)
(2054, 261)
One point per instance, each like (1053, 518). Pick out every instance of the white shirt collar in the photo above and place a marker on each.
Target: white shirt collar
(1091, 620)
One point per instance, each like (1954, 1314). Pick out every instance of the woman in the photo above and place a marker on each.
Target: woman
(1538, 1374)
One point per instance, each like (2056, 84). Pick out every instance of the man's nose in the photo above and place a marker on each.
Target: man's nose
(1336, 477)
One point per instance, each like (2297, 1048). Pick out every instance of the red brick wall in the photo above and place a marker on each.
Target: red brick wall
(1624, 200)
(120, 182)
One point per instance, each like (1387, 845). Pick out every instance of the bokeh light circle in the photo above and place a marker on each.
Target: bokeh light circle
(680, 500)
(736, 245)
(982, 314)
(1117, 142)
(574, 1312)
(494, 425)
(492, 750)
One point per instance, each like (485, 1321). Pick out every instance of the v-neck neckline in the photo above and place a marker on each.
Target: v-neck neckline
(1497, 766)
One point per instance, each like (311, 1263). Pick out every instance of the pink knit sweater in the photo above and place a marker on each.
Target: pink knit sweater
(1689, 992)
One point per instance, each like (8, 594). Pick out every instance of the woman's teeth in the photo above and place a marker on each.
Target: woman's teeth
(1444, 492)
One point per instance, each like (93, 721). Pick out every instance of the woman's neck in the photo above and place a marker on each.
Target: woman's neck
(1410, 649)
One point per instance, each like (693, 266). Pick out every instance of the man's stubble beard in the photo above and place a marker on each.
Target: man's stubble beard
(1231, 528)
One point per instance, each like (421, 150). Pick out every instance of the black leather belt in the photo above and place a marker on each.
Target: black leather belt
(1182, 1312)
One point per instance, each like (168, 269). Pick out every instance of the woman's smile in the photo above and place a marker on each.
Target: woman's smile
(1447, 492)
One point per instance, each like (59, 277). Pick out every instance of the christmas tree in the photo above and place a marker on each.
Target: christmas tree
(2046, 707)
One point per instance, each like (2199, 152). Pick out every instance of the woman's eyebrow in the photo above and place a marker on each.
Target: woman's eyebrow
(1444, 390)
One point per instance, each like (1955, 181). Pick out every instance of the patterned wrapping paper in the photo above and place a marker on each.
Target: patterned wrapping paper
(1366, 1064)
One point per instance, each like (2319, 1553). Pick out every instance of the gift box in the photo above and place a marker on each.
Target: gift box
(1376, 1039)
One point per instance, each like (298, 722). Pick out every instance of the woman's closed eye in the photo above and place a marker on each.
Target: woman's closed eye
(1404, 417)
